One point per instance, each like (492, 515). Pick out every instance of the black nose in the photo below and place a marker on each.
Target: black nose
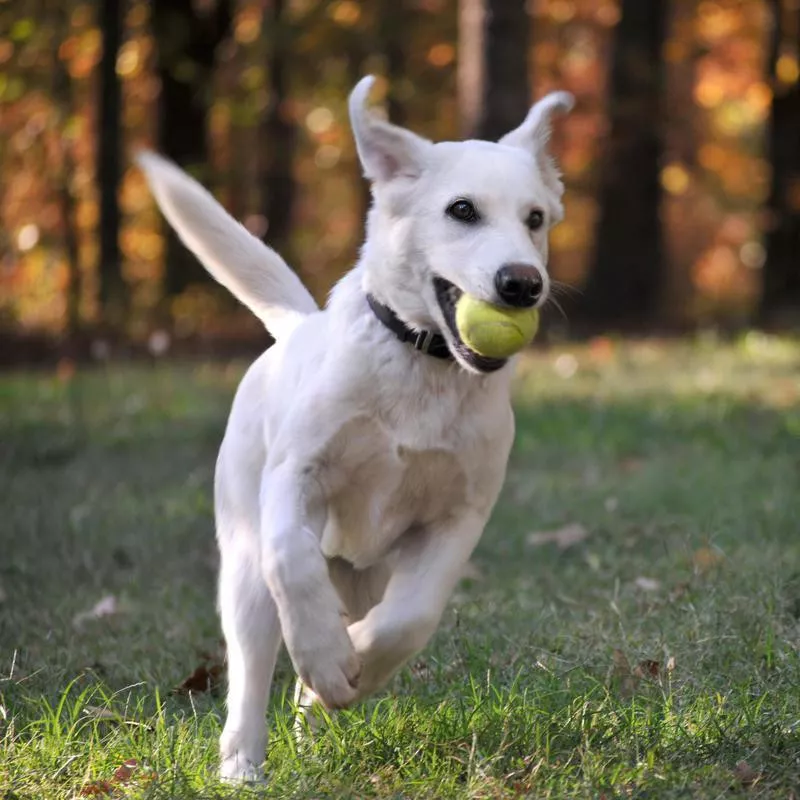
(519, 285)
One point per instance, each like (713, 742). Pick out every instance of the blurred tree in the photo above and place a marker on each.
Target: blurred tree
(187, 36)
(109, 148)
(494, 92)
(63, 111)
(279, 143)
(384, 33)
(780, 303)
(626, 276)
(393, 29)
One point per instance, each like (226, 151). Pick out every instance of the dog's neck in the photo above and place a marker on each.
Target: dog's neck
(426, 341)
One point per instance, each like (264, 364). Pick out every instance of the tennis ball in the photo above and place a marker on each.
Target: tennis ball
(492, 331)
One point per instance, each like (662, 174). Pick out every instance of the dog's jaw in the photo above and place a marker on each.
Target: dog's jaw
(447, 296)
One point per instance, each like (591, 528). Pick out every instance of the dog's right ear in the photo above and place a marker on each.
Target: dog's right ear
(386, 151)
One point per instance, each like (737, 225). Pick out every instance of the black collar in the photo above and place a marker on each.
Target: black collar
(433, 344)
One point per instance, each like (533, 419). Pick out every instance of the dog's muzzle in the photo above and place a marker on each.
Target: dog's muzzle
(447, 295)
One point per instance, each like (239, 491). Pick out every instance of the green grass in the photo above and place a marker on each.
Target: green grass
(681, 461)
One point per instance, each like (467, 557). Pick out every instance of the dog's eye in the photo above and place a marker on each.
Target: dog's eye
(535, 220)
(463, 211)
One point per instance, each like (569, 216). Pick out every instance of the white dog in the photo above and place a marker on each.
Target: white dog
(366, 448)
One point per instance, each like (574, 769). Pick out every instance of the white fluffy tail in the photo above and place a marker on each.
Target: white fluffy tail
(255, 274)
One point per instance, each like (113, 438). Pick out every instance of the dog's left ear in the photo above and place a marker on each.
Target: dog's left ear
(386, 151)
(534, 134)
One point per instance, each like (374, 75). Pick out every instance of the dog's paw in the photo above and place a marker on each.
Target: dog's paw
(237, 768)
(330, 666)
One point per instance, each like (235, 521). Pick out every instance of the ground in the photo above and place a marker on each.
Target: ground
(629, 626)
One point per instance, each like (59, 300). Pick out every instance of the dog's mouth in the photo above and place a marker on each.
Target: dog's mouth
(447, 295)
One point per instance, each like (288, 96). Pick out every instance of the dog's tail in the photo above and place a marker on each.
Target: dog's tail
(255, 274)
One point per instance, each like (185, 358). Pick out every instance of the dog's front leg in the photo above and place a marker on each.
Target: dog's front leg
(310, 610)
(427, 569)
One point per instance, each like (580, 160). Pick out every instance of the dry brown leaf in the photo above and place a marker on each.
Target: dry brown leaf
(647, 584)
(627, 677)
(705, 559)
(125, 771)
(622, 674)
(205, 678)
(96, 788)
(648, 669)
(563, 538)
(105, 607)
(745, 774)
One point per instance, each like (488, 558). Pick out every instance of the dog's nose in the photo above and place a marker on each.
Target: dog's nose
(519, 285)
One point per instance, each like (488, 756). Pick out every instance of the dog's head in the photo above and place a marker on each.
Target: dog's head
(458, 217)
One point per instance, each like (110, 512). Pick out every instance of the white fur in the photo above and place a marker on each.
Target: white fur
(356, 474)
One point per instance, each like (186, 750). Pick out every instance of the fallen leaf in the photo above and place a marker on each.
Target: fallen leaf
(102, 608)
(563, 538)
(705, 559)
(125, 771)
(648, 669)
(745, 774)
(96, 788)
(648, 584)
(205, 678)
(623, 675)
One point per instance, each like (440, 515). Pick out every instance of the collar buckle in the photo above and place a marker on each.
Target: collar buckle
(423, 341)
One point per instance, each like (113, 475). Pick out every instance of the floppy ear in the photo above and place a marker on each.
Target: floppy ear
(386, 151)
(534, 134)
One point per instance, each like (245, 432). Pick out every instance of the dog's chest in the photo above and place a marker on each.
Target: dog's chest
(379, 483)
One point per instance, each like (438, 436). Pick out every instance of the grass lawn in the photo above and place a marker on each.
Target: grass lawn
(630, 626)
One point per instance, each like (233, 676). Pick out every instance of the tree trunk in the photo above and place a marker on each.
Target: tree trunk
(109, 152)
(390, 41)
(780, 302)
(627, 274)
(494, 91)
(392, 29)
(186, 56)
(279, 141)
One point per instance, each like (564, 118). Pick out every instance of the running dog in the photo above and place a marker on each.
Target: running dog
(366, 448)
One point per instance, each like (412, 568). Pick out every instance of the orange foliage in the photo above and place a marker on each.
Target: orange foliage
(714, 160)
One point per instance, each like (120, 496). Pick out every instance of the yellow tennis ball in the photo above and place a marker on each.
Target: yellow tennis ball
(492, 331)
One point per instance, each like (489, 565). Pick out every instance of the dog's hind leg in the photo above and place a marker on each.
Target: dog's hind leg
(253, 636)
